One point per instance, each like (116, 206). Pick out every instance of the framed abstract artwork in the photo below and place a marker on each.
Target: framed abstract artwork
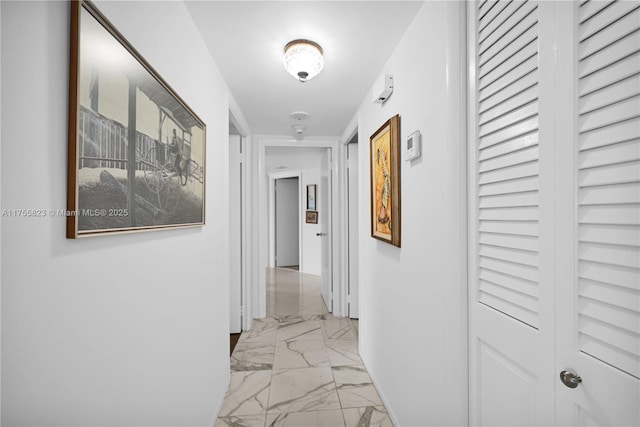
(311, 197)
(385, 182)
(312, 217)
(136, 151)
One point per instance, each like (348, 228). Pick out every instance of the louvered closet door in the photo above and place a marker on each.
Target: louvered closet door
(511, 307)
(599, 276)
(554, 195)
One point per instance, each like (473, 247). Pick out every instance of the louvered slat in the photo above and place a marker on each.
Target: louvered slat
(522, 113)
(510, 187)
(510, 104)
(510, 200)
(490, 20)
(627, 235)
(524, 258)
(619, 32)
(609, 183)
(517, 270)
(506, 27)
(526, 302)
(610, 174)
(609, 275)
(519, 157)
(609, 214)
(610, 115)
(516, 228)
(617, 92)
(610, 294)
(628, 193)
(507, 165)
(510, 146)
(610, 154)
(615, 316)
(523, 28)
(507, 241)
(622, 69)
(486, 6)
(514, 131)
(590, 9)
(518, 284)
(617, 11)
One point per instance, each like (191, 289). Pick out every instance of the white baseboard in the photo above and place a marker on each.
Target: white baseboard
(384, 399)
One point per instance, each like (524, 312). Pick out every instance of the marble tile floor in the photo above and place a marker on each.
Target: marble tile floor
(299, 366)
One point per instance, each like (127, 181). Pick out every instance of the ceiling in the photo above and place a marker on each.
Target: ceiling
(246, 40)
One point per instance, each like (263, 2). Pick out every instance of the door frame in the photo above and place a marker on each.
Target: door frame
(242, 126)
(259, 203)
(343, 237)
(273, 176)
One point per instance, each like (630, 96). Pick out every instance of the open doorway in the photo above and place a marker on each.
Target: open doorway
(314, 215)
(286, 223)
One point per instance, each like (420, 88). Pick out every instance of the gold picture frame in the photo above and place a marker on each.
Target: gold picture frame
(384, 155)
(115, 96)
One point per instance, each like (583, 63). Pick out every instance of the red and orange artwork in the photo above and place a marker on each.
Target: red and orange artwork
(382, 177)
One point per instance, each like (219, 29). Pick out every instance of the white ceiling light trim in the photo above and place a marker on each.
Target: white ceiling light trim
(303, 59)
(298, 128)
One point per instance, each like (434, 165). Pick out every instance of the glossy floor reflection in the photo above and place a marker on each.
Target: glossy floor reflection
(299, 366)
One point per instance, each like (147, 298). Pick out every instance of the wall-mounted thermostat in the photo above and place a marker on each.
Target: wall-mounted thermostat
(412, 148)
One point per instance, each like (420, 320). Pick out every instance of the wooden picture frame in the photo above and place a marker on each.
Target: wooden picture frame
(115, 96)
(312, 217)
(384, 155)
(311, 197)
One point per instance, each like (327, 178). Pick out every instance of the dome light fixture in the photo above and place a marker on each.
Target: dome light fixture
(303, 59)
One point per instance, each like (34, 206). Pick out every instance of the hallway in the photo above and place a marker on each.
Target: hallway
(299, 367)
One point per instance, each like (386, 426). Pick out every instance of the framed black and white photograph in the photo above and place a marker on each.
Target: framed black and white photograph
(136, 150)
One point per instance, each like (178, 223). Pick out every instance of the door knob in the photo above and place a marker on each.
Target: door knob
(321, 234)
(570, 379)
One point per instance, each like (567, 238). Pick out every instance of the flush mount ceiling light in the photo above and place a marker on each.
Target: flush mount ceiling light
(303, 59)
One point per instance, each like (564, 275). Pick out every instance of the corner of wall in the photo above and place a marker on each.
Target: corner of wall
(422, 285)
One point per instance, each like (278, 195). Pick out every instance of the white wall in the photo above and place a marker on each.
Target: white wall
(307, 162)
(119, 330)
(413, 300)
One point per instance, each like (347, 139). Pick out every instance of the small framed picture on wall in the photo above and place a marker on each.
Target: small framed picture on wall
(312, 217)
(311, 197)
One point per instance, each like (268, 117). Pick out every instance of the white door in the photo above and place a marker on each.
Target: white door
(235, 234)
(287, 219)
(324, 219)
(598, 198)
(554, 195)
(511, 307)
